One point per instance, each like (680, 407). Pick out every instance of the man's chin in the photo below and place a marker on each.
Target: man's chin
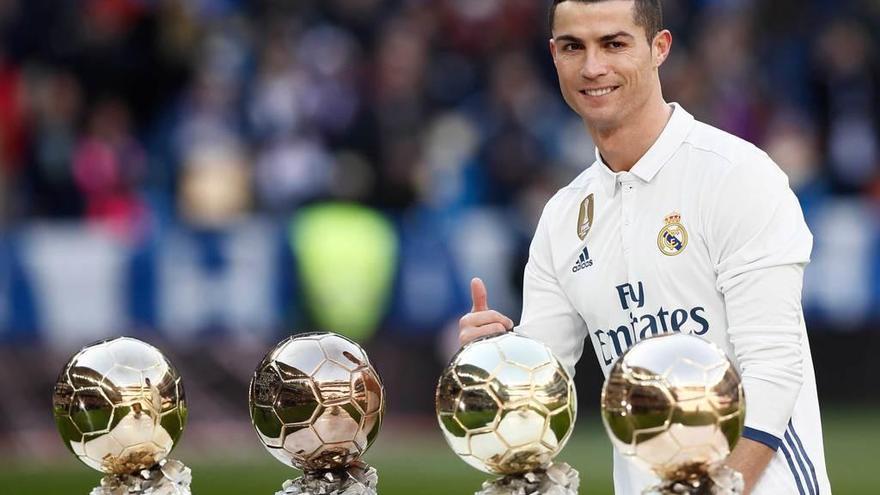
(600, 118)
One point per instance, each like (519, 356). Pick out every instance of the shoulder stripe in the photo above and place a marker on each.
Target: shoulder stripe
(797, 477)
(800, 462)
(806, 456)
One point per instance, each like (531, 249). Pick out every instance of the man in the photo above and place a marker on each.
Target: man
(677, 227)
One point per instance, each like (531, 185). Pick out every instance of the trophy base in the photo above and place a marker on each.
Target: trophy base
(168, 477)
(356, 479)
(555, 479)
(717, 479)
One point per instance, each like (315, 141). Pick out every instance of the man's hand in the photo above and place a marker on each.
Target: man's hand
(481, 321)
(750, 458)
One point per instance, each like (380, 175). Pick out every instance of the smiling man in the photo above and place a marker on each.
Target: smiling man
(676, 227)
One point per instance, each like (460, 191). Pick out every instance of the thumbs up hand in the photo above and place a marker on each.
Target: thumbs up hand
(481, 321)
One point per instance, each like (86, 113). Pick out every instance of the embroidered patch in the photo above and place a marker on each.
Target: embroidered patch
(585, 217)
(673, 237)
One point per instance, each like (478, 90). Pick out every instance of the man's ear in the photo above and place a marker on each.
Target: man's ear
(552, 46)
(661, 46)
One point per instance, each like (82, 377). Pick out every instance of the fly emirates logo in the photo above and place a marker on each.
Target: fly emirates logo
(643, 324)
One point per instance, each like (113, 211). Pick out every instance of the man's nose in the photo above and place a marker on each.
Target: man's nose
(594, 66)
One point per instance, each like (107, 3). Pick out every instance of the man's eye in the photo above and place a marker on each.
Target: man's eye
(615, 45)
(571, 47)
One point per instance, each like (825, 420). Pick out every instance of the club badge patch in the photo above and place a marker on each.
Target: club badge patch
(585, 217)
(673, 237)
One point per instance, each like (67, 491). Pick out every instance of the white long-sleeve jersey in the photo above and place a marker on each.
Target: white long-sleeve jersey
(702, 236)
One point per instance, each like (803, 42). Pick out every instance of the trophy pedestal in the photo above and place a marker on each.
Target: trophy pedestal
(355, 479)
(717, 479)
(169, 477)
(556, 479)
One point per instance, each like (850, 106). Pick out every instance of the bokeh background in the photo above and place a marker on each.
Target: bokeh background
(213, 175)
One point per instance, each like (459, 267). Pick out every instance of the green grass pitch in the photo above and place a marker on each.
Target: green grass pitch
(423, 465)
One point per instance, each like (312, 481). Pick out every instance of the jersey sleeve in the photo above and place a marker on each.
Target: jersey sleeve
(548, 315)
(760, 244)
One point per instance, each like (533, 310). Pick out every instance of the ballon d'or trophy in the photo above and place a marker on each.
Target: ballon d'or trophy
(317, 404)
(120, 408)
(507, 407)
(674, 404)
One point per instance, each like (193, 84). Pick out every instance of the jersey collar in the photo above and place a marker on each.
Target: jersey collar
(673, 135)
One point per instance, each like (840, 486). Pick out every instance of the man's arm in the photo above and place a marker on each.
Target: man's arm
(760, 245)
(764, 314)
(767, 332)
(547, 316)
(481, 321)
(750, 458)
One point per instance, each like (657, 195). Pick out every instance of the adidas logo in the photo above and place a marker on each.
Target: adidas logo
(583, 261)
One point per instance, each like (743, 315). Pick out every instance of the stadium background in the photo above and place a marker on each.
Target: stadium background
(211, 175)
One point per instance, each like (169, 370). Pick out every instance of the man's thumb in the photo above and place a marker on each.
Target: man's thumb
(478, 295)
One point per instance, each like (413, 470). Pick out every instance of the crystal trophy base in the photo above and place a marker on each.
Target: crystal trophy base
(168, 477)
(555, 479)
(716, 479)
(356, 479)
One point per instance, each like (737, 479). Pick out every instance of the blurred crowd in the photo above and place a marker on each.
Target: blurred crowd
(134, 114)
(143, 117)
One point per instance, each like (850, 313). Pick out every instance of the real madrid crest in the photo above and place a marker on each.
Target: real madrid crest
(673, 237)
(585, 217)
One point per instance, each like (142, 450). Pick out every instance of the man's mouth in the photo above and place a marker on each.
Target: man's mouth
(598, 91)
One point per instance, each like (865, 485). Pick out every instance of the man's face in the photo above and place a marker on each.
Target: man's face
(606, 66)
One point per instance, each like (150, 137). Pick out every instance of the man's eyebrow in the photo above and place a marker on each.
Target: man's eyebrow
(604, 39)
(619, 34)
(568, 37)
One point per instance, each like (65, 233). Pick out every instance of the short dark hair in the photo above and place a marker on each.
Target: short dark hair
(647, 13)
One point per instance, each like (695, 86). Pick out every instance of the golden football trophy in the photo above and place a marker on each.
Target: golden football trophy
(120, 408)
(674, 404)
(317, 404)
(507, 407)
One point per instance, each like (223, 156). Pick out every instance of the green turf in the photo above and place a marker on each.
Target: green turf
(425, 466)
